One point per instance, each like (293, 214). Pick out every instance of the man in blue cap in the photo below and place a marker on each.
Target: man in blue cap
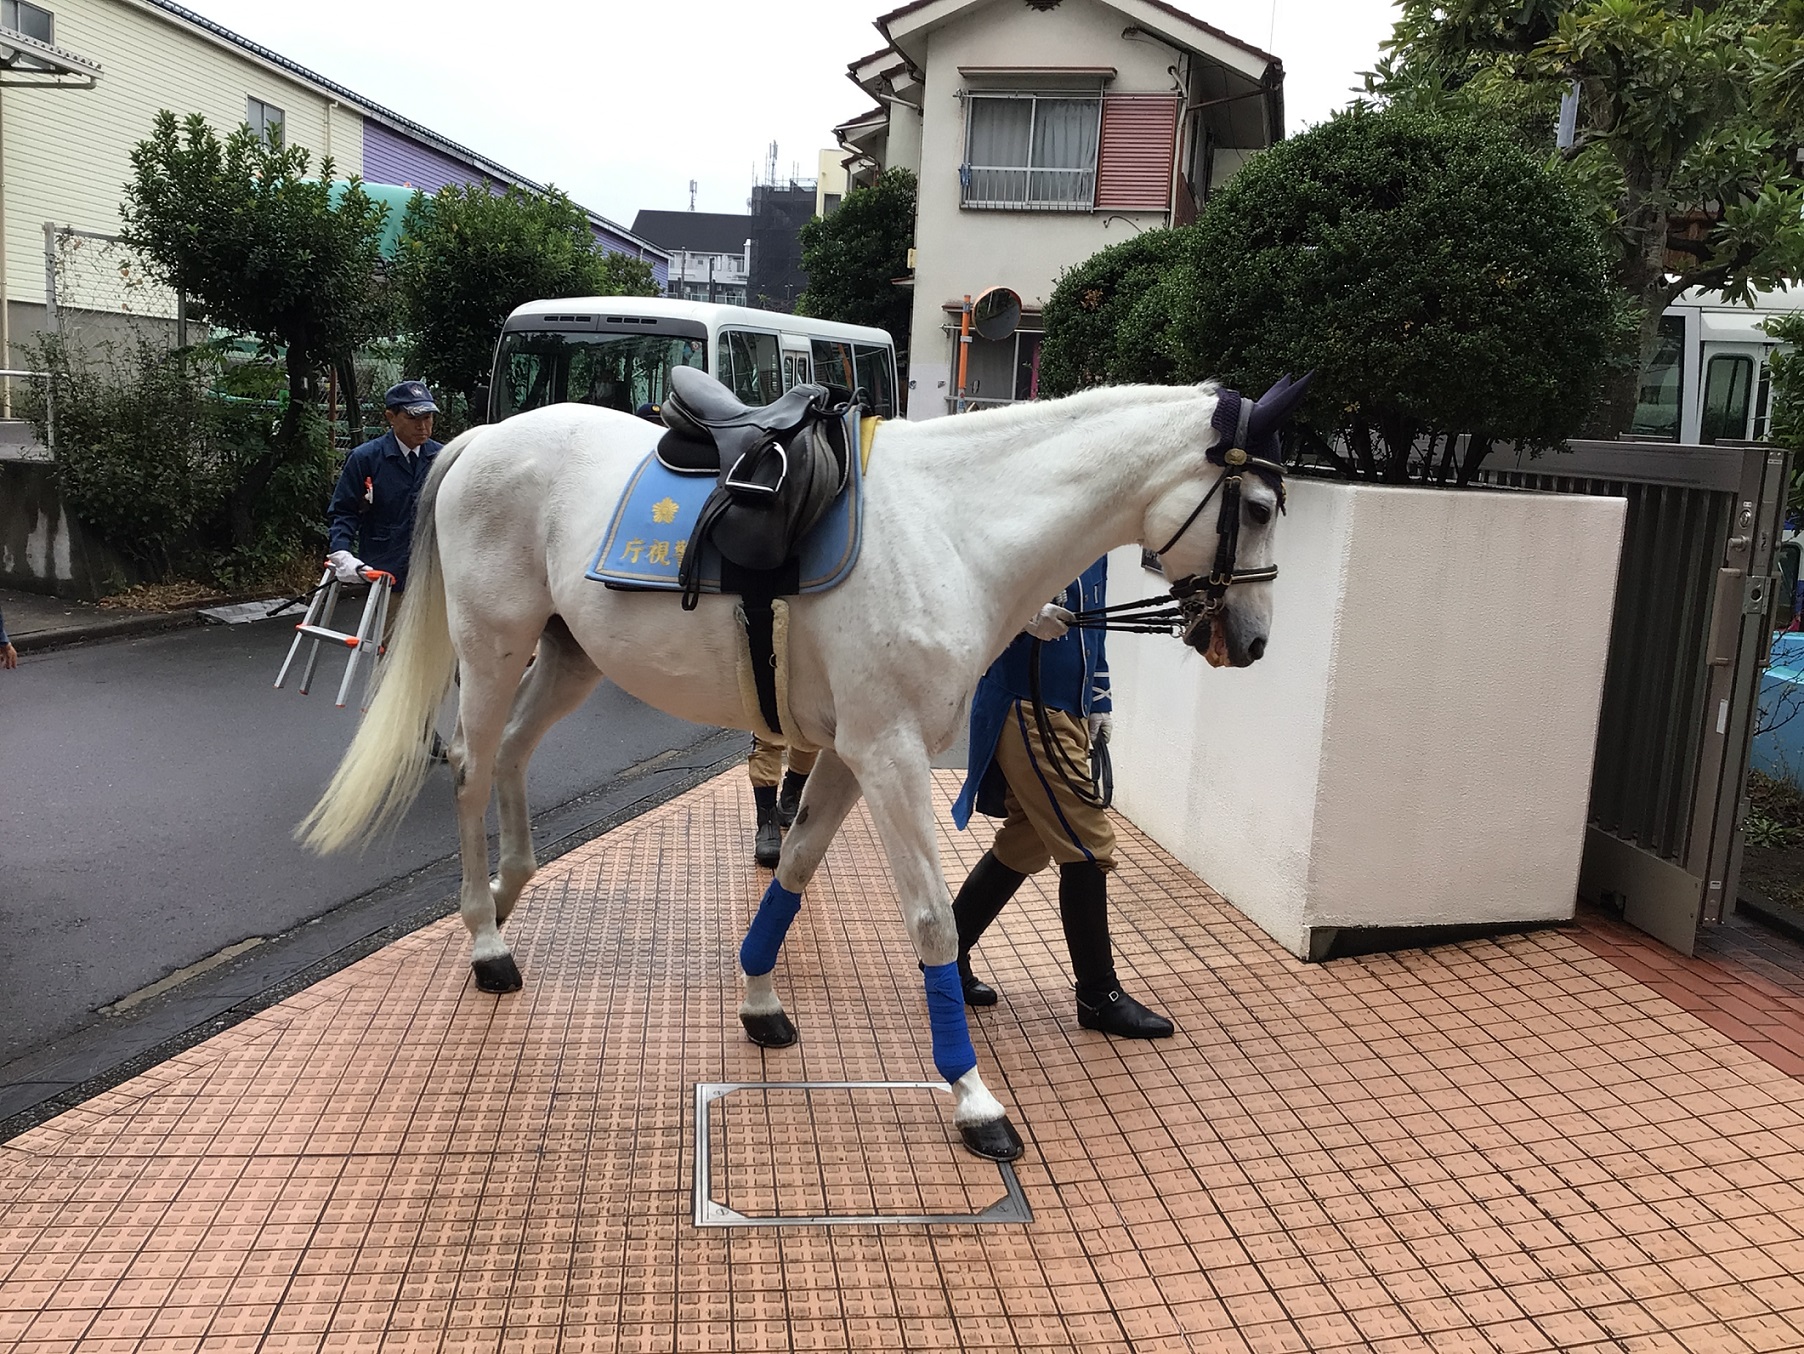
(371, 518)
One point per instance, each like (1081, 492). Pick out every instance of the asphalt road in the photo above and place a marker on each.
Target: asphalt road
(148, 789)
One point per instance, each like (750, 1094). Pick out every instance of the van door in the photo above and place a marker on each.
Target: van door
(797, 369)
(1727, 408)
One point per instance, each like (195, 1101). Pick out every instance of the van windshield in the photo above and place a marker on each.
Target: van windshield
(615, 371)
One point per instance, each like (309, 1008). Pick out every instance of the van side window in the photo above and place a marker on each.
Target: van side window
(1657, 413)
(750, 365)
(1727, 382)
(833, 363)
(876, 374)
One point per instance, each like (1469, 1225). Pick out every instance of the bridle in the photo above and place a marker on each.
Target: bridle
(1202, 597)
(1193, 600)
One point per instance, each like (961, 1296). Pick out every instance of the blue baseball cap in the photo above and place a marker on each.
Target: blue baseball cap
(412, 398)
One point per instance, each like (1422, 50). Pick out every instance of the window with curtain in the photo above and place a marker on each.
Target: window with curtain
(1033, 151)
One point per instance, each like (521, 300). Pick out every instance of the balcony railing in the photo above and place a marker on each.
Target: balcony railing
(1016, 188)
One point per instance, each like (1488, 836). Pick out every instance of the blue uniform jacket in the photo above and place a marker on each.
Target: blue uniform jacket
(1074, 677)
(372, 507)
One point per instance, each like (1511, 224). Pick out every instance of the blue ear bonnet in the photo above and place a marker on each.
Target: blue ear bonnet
(1251, 427)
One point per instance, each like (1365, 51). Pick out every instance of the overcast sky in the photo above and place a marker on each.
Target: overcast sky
(622, 102)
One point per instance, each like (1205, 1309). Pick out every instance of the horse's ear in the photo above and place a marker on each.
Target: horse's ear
(1273, 408)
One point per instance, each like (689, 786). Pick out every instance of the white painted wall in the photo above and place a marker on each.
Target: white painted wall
(961, 251)
(1415, 748)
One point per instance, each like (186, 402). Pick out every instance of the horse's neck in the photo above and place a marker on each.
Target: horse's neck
(1032, 503)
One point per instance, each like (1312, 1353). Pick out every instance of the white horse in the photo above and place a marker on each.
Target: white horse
(970, 524)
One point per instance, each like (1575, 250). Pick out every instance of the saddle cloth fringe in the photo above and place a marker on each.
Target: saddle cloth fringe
(748, 684)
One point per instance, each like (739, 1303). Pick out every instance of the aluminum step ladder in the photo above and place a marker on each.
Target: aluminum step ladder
(366, 641)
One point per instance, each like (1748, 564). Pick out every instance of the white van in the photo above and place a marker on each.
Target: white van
(618, 352)
(1709, 380)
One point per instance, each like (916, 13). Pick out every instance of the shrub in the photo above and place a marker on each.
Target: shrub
(1440, 281)
(1109, 318)
(151, 444)
(135, 455)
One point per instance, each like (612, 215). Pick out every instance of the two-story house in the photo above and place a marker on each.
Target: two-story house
(66, 152)
(1042, 131)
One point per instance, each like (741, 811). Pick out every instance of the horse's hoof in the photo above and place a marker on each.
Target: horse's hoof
(993, 1140)
(496, 975)
(770, 1030)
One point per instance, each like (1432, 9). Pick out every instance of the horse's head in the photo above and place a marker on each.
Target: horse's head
(1217, 529)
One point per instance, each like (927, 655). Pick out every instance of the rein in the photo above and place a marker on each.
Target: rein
(1195, 599)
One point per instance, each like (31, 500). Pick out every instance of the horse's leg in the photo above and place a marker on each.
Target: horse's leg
(490, 678)
(556, 684)
(826, 799)
(898, 785)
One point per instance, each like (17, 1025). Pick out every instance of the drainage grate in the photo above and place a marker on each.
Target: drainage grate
(839, 1153)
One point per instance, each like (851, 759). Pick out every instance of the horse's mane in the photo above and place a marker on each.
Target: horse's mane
(1012, 420)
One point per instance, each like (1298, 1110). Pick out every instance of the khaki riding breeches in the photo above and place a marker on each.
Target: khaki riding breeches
(766, 762)
(1046, 819)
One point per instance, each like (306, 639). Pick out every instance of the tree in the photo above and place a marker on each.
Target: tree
(1689, 121)
(1371, 250)
(468, 256)
(1109, 318)
(262, 250)
(854, 257)
(1788, 401)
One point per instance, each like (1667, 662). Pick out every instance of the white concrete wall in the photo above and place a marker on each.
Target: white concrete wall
(902, 148)
(961, 251)
(1415, 748)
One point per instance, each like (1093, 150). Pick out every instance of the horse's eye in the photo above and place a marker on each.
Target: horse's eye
(1259, 512)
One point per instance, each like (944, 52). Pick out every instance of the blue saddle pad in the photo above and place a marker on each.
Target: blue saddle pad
(648, 532)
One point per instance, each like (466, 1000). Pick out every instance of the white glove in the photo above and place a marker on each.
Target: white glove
(1052, 622)
(1102, 724)
(347, 566)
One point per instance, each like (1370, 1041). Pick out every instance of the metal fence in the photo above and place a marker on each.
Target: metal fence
(1690, 634)
(97, 290)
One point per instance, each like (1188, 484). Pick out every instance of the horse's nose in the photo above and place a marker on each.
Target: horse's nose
(1256, 650)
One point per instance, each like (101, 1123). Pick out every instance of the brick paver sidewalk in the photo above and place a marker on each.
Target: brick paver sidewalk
(1510, 1145)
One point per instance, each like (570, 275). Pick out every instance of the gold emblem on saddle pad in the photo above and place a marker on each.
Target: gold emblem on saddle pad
(664, 510)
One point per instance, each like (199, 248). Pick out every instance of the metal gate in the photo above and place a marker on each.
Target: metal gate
(1689, 640)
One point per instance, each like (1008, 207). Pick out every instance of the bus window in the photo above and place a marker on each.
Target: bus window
(795, 370)
(615, 371)
(833, 363)
(876, 374)
(1727, 381)
(749, 364)
(1657, 413)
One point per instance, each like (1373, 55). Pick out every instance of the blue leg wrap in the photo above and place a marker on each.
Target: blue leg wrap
(952, 1051)
(758, 954)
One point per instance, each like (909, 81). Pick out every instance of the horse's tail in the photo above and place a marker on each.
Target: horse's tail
(385, 766)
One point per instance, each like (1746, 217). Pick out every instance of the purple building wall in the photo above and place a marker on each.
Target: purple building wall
(393, 157)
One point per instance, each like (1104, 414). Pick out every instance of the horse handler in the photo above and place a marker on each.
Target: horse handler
(768, 764)
(1018, 775)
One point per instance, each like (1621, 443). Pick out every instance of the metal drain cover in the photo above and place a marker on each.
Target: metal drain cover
(840, 1153)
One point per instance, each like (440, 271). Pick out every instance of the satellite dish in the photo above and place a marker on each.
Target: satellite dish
(995, 313)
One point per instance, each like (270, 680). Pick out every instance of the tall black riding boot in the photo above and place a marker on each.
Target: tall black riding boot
(790, 799)
(985, 893)
(768, 844)
(1101, 1004)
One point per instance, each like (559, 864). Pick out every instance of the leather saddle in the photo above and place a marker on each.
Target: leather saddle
(779, 467)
